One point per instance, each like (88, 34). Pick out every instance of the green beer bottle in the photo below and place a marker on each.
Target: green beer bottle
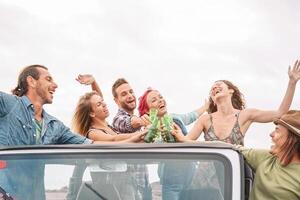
(167, 128)
(153, 130)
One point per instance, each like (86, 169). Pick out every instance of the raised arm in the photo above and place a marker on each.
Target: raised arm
(190, 117)
(203, 108)
(88, 79)
(255, 115)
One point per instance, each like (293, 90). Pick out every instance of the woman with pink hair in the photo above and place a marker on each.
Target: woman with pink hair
(173, 178)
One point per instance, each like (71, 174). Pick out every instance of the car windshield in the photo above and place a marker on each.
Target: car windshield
(111, 176)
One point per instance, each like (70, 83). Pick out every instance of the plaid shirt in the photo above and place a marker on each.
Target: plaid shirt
(122, 122)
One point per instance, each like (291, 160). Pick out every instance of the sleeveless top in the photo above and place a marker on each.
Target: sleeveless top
(235, 137)
(101, 129)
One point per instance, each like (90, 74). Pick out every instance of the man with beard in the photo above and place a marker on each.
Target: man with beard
(23, 121)
(125, 121)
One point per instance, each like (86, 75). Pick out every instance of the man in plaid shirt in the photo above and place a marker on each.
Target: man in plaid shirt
(126, 122)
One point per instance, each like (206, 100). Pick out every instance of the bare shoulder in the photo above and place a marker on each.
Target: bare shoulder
(203, 120)
(198, 127)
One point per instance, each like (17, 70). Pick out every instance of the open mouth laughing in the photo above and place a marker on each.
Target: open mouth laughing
(216, 91)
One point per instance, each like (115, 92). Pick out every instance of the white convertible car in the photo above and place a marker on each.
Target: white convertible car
(133, 171)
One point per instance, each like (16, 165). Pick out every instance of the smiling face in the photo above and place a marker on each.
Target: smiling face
(219, 90)
(225, 90)
(279, 137)
(45, 86)
(125, 97)
(99, 109)
(156, 100)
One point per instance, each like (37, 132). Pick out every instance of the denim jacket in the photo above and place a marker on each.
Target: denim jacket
(17, 125)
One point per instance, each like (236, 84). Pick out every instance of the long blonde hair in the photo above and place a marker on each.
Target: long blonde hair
(81, 121)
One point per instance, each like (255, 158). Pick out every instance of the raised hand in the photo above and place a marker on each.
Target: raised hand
(88, 79)
(294, 73)
(85, 79)
(204, 108)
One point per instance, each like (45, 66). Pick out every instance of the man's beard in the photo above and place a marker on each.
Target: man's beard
(126, 107)
(43, 94)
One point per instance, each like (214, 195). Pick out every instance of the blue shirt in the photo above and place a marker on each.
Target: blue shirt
(183, 120)
(17, 125)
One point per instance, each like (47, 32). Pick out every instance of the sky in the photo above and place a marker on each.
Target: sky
(177, 47)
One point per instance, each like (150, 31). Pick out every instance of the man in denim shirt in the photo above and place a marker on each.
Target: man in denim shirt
(19, 113)
(23, 121)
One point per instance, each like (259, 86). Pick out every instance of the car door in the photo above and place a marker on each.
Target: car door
(164, 171)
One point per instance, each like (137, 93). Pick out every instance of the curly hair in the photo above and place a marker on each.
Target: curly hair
(237, 98)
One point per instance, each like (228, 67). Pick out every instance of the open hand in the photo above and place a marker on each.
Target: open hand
(85, 79)
(294, 73)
